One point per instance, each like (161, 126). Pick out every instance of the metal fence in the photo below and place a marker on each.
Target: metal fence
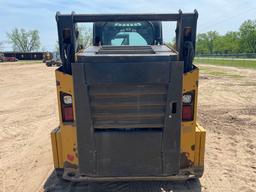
(237, 55)
(245, 60)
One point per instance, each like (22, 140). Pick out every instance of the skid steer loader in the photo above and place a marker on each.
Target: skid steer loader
(128, 104)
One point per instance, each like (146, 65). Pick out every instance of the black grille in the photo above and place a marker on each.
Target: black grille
(128, 106)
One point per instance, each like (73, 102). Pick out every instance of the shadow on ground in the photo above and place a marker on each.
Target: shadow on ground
(56, 184)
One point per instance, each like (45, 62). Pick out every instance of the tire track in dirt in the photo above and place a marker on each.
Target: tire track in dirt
(228, 111)
(27, 116)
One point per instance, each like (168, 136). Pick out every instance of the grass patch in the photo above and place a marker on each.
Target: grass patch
(222, 74)
(23, 62)
(223, 62)
(216, 73)
(29, 62)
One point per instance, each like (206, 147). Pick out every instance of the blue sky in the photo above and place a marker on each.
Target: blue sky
(219, 15)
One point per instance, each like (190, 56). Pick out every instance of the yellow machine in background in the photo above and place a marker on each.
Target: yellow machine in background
(47, 56)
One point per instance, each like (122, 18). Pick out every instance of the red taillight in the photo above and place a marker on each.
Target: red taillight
(188, 106)
(187, 113)
(67, 113)
(67, 107)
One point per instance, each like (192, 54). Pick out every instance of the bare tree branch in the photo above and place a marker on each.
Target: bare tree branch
(1, 46)
(85, 36)
(24, 41)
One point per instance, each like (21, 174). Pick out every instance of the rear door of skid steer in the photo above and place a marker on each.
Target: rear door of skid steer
(128, 114)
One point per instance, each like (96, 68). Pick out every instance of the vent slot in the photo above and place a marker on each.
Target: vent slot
(128, 106)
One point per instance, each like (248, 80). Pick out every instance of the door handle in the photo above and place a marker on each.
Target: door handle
(173, 109)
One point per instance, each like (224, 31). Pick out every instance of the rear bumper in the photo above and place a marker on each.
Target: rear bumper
(185, 174)
(72, 174)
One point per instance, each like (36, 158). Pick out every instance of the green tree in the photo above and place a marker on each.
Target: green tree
(206, 41)
(201, 46)
(84, 38)
(228, 43)
(172, 43)
(248, 36)
(24, 41)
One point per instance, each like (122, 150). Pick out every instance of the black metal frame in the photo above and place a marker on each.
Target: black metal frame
(68, 33)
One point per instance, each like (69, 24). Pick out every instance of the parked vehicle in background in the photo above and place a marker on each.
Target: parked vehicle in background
(10, 59)
(54, 60)
(47, 56)
(7, 59)
(1, 57)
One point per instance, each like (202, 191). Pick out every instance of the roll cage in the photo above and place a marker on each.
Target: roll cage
(68, 33)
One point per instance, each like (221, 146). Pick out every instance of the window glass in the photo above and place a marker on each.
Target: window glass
(128, 38)
(127, 33)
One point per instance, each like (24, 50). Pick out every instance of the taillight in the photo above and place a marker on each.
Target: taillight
(67, 107)
(188, 106)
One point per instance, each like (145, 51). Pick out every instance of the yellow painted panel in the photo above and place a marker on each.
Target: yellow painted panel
(64, 84)
(187, 141)
(190, 80)
(59, 148)
(188, 129)
(197, 147)
(67, 130)
(202, 145)
(65, 81)
(54, 148)
(190, 83)
(68, 134)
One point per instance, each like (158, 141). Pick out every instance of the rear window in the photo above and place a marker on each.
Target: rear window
(127, 33)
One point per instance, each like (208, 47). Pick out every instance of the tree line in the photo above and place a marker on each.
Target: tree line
(242, 41)
(29, 41)
(24, 41)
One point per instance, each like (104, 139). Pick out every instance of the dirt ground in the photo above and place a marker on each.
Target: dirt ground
(28, 112)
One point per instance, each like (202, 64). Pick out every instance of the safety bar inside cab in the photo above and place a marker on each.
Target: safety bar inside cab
(68, 34)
